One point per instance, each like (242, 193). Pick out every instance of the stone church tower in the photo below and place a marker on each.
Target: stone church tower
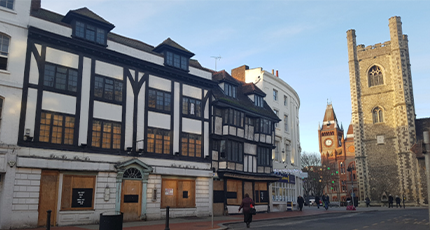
(383, 117)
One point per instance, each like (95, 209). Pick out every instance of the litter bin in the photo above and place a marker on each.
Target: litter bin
(111, 221)
(289, 206)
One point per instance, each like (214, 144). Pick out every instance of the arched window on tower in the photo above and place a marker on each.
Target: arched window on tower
(377, 115)
(375, 76)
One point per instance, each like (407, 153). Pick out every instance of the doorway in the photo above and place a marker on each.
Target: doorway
(48, 196)
(131, 199)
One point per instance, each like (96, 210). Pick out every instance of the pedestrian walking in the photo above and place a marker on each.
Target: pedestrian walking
(317, 200)
(367, 202)
(300, 202)
(326, 201)
(246, 205)
(398, 205)
(390, 201)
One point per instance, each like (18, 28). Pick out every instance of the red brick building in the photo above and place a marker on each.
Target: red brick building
(338, 156)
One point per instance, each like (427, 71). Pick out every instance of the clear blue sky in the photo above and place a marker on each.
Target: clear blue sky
(304, 40)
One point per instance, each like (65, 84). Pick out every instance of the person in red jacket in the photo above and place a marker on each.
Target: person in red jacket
(246, 205)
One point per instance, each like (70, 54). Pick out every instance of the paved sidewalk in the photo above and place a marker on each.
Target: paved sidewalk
(205, 223)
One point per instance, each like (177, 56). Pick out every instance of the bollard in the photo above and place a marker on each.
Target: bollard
(48, 220)
(167, 218)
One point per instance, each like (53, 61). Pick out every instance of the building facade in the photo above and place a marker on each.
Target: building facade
(94, 122)
(383, 117)
(337, 157)
(285, 103)
(242, 140)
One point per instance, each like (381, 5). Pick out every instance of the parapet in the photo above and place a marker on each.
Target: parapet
(373, 50)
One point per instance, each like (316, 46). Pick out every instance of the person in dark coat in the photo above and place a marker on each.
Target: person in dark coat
(326, 200)
(300, 202)
(390, 201)
(367, 201)
(246, 205)
(317, 200)
(398, 202)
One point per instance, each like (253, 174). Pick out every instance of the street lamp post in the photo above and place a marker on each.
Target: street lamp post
(350, 169)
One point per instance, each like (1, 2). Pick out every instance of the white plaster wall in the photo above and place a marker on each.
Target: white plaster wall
(85, 100)
(218, 125)
(191, 126)
(59, 103)
(34, 70)
(245, 163)
(191, 91)
(158, 120)
(107, 111)
(109, 70)
(232, 131)
(249, 148)
(206, 140)
(206, 106)
(31, 111)
(62, 58)
(159, 83)
(141, 117)
(176, 112)
(200, 73)
(129, 113)
(51, 27)
(252, 97)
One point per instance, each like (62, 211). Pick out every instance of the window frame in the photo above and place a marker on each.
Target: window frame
(375, 79)
(276, 111)
(6, 4)
(164, 133)
(261, 127)
(186, 101)
(230, 90)
(286, 101)
(115, 82)
(182, 62)
(155, 102)
(233, 117)
(231, 147)
(67, 84)
(102, 133)
(188, 137)
(4, 38)
(97, 40)
(286, 126)
(377, 115)
(258, 101)
(264, 152)
(275, 95)
(52, 127)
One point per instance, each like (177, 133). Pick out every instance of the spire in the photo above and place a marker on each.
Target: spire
(329, 116)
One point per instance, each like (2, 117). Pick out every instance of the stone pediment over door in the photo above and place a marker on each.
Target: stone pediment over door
(133, 163)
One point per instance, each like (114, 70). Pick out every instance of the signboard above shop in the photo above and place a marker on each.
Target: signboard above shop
(288, 178)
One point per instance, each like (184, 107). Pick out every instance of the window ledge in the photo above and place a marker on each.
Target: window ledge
(2, 8)
(4, 72)
(75, 211)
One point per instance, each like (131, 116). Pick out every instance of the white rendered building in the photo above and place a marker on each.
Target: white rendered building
(285, 102)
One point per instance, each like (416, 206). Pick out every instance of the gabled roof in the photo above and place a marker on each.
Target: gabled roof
(85, 12)
(170, 43)
(242, 102)
(222, 76)
(251, 88)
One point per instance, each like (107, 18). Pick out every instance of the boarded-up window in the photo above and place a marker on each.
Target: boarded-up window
(234, 192)
(78, 192)
(261, 194)
(178, 193)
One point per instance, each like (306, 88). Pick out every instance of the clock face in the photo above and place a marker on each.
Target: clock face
(351, 149)
(328, 142)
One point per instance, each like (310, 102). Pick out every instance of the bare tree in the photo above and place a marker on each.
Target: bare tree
(310, 159)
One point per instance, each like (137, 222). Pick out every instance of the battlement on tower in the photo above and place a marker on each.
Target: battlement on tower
(373, 50)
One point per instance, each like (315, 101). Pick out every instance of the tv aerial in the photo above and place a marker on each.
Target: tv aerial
(216, 59)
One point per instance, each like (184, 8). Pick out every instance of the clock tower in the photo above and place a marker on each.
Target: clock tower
(330, 133)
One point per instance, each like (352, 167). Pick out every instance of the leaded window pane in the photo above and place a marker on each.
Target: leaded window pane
(167, 100)
(96, 133)
(198, 109)
(107, 135)
(169, 58)
(176, 60)
(184, 63)
(198, 146)
(116, 144)
(80, 29)
(159, 100)
(90, 33)
(48, 79)
(108, 93)
(100, 36)
(98, 86)
(73, 81)
(166, 143)
(158, 143)
(152, 98)
(184, 105)
(118, 91)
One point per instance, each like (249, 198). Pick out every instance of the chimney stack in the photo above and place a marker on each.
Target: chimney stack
(277, 73)
(273, 72)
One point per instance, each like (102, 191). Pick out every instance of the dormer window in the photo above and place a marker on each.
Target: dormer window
(90, 33)
(176, 60)
(230, 90)
(258, 101)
